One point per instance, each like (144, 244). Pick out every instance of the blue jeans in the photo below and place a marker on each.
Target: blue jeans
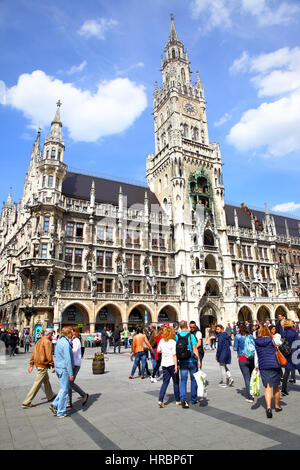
(169, 372)
(154, 363)
(246, 369)
(185, 368)
(140, 356)
(61, 400)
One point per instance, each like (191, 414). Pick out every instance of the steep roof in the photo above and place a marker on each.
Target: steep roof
(245, 220)
(78, 185)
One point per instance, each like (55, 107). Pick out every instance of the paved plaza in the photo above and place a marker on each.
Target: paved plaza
(123, 414)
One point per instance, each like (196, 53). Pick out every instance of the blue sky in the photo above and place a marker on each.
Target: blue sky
(101, 59)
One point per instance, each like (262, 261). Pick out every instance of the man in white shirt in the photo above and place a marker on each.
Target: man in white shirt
(198, 335)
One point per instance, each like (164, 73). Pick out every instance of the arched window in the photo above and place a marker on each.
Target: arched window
(197, 264)
(196, 133)
(166, 181)
(210, 262)
(183, 75)
(185, 131)
(173, 53)
(53, 153)
(208, 238)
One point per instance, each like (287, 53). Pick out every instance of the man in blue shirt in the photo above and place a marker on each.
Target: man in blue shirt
(64, 364)
(190, 365)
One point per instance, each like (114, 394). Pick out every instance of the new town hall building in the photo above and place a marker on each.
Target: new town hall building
(87, 251)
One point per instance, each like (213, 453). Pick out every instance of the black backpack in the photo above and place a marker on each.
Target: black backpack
(183, 351)
(285, 347)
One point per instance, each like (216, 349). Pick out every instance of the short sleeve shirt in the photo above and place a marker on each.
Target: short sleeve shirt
(168, 350)
(191, 342)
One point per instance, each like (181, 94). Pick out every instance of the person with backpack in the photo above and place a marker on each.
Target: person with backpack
(223, 355)
(293, 359)
(194, 330)
(244, 344)
(189, 362)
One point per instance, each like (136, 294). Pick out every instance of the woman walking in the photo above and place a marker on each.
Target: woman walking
(223, 355)
(269, 368)
(167, 348)
(157, 356)
(245, 358)
(140, 342)
(293, 338)
(77, 357)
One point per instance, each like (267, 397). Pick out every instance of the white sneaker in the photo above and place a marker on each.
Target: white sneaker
(230, 382)
(153, 380)
(223, 385)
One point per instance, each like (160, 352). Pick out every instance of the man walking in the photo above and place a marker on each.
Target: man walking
(117, 339)
(189, 362)
(42, 359)
(125, 336)
(64, 364)
(104, 338)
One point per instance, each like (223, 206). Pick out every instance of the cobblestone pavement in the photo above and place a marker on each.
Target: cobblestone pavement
(123, 414)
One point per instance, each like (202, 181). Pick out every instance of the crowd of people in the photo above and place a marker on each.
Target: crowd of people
(65, 361)
(271, 350)
(176, 352)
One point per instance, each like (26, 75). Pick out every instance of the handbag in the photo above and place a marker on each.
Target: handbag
(279, 356)
(285, 348)
(254, 384)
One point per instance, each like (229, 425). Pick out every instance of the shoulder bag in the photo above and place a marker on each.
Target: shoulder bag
(279, 356)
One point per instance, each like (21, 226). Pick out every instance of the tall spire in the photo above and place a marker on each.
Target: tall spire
(56, 124)
(173, 35)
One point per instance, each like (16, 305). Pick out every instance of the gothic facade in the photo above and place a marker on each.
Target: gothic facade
(85, 250)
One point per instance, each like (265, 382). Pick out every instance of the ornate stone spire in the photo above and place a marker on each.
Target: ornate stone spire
(56, 124)
(173, 34)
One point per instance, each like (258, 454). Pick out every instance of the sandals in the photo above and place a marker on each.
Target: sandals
(161, 404)
(28, 406)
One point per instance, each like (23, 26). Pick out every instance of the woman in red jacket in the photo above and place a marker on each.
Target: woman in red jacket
(157, 356)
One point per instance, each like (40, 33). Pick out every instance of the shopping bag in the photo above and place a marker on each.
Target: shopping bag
(254, 384)
(200, 378)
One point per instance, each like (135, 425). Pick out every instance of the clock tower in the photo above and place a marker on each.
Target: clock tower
(185, 172)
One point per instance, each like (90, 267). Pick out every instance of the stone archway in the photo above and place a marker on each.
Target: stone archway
(281, 310)
(140, 315)
(245, 314)
(167, 314)
(76, 315)
(210, 262)
(263, 314)
(110, 316)
(208, 317)
(212, 288)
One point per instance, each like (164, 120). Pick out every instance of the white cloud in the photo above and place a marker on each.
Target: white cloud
(216, 13)
(241, 64)
(77, 68)
(274, 125)
(222, 120)
(224, 14)
(286, 207)
(2, 92)
(111, 109)
(97, 28)
(138, 65)
(266, 13)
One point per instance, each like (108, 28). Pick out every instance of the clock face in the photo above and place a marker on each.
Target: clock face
(189, 108)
